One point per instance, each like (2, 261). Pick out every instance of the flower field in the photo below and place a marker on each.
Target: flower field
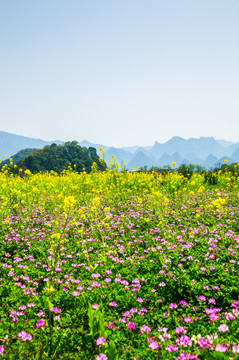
(119, 266)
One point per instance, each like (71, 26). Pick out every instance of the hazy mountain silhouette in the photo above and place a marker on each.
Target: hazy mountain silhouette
(205, 151)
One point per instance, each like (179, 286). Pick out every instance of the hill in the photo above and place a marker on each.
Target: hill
(60, 157)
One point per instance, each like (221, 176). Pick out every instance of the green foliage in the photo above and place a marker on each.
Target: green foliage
(20, 155)
(61, 157)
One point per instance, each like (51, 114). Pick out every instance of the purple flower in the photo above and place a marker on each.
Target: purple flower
(100, 341)
(202, 298)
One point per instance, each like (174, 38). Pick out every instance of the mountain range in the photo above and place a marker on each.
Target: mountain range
(205, 151)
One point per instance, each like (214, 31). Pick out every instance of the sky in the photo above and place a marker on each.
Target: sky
(119, 72)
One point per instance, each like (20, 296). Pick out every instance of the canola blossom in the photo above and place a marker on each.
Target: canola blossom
(119, 266)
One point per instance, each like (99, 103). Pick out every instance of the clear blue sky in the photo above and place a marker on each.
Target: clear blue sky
(124, 72)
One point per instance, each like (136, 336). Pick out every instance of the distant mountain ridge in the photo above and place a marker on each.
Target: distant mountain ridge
(205, 151)
(10, 143)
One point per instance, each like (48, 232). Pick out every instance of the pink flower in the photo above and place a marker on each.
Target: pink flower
(140, 300)
(95, 306)
(131, 326)
(213, 317)
(145, 329)
(41, 313)
(203, 343)
(56, 310)
(2, 348)
(173, 306)
(100, 341)
(75, 293)
(171, 348)
(101, 357)
(185, 356)
(188, 320)
(221, 348)
(40, 323)
(235, 349)
(110, 326)
(153, 345)
(31, 305)
(180, 330)
(202, 298)
(24, 336)
(183, 303)
(184, 341)
(223, 328)
(113, 303)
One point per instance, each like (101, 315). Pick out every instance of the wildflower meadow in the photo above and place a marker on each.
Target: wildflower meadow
(118, 265)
